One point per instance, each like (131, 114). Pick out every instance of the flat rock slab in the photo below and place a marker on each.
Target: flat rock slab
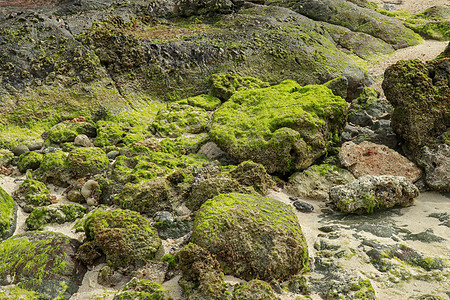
(372, 159)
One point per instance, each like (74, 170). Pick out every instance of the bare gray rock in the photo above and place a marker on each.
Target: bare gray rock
(436, 163)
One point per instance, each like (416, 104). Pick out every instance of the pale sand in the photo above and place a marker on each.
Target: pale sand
(413, 6)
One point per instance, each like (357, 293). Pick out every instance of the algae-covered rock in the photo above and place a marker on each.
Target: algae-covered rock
(316, 181)
(53, 169)
(224, 86)
(211, 187)
(143, 289)
(254, 290)
(420, 95)
(207, 102)
(15, 292)
(355, 18)
(32, 192)
(433, 23)
(124, 237)
(370, 193)
(43, 262)
(29, 160)
(8, 215)
(56, 213)
(5, 157)
(283, 127)
(253, 174)
(202, 276)
(177, 120)
(87, 161)
(119, 132)
(147, 197)
(67, 132)
(251, 236)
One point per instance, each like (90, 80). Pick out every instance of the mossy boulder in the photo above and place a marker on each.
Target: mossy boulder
(283, 127)
(433, 23)
(119, 132)
(87, 161)
(211, 187)
(355, 18)
(205, 101)
(8, 215)
(370, 193)
(252, 236)
(32, 192)
(29, 160)
(43, 262)
(67, 131)
(15, 292)
(143, 289)
(124, 237)
(252, 174)
(58, 213)
(177, 120)
(53, 169)
(224, 86)
(420, 95)
(202, 276)
(254, 290)
(5, 157)
(147, 197)
(316, 181)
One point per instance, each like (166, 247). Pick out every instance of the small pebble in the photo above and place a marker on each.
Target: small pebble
(293, 198)
(303, 206)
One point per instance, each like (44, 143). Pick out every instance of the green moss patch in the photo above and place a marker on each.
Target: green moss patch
(251, 236)
(32, 192)
(284, 127)
(29, 160)
(87, 161)
(7, 215)
(143, 289)
(59, 214)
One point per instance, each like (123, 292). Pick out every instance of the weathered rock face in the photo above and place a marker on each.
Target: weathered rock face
(124, 237)
(43, 262)
(8, 215)
(370, 193)
(371, 159)
(283, 127)
(355, 18)
(251, 236)
(252, 174)
(436, 163)
(316, 181)
(420, 95)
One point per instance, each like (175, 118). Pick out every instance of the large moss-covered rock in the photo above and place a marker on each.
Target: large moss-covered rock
(87, 161)
(29, 160)
(43, 262)
(177, 120)
(53, 169)
(66, 131)
(370, 193)
(252, 236)
(124, 237)
(316, 181)
(58, 213)
(147, 197)
(8, 210)
(224, 86)
(253, 174)
(355, 18)
(32, 192)
(284, 127)
(420, 95)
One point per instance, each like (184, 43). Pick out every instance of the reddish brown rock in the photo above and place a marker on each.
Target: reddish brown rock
(372, 159)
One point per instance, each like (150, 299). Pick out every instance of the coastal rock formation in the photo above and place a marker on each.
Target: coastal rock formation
(370, 193)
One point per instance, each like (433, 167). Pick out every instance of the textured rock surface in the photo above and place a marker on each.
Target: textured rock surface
(371, 159)
(370, 193)
(43, 262)
(252, 237)
(436, 163)
(283, 127)
(316, 181)
(8, 215)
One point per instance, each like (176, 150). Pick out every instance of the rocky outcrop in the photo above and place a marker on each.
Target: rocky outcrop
(370, 193)
(252, 237)
(371, 159)
(283, 127)
(43, 262)
(436, 163)
(316, 181)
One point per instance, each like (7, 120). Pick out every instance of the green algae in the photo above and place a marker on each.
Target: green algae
(16, 293)
(32, 192)
(143, 289)
(7, 214)
(87, 161)
(59, 214)
(29, 160)
(223, 86)
(283, 127)
(207, 102)
(66, 132)
(53, 168)
(224, 221)
(13, 135)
